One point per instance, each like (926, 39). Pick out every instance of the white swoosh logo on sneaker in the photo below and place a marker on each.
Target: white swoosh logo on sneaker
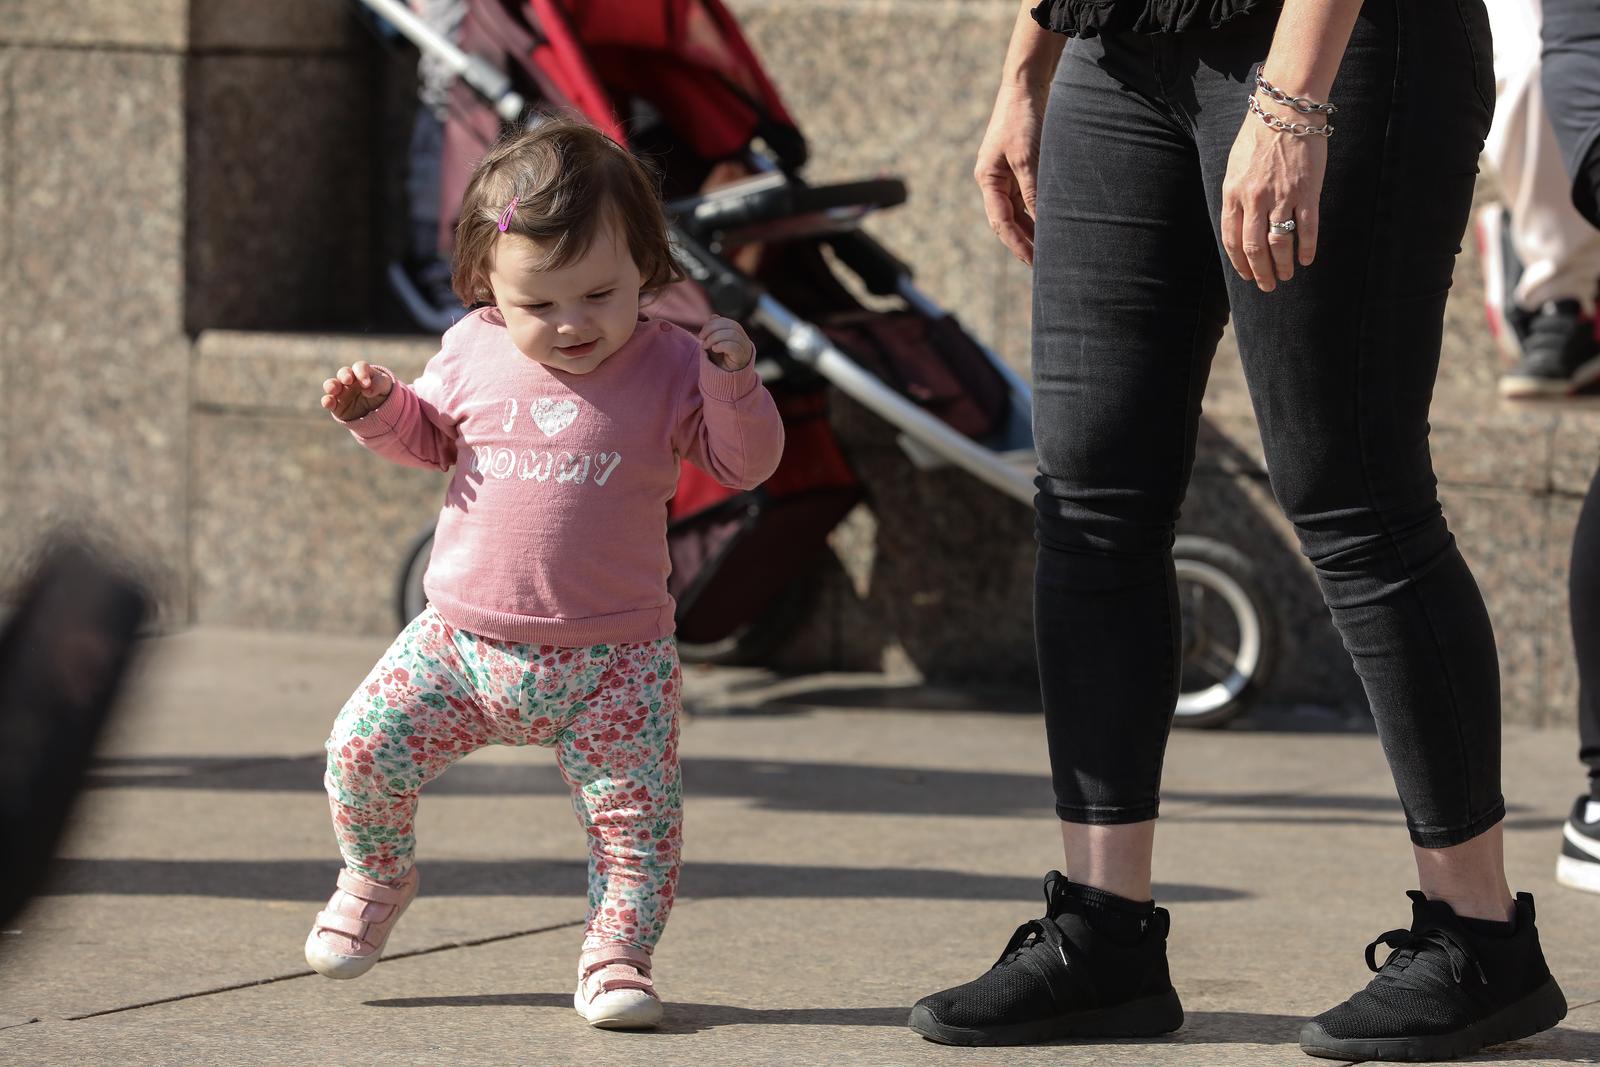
(1585, 844)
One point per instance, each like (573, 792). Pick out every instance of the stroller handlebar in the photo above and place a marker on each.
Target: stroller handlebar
(775, 198)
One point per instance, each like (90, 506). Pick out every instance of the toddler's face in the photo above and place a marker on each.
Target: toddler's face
(571, 318)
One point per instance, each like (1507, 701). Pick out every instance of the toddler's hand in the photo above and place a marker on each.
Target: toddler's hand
(726, 344)
(356, 391)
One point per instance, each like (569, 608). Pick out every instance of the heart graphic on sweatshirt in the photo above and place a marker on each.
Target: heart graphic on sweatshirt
(553, 416)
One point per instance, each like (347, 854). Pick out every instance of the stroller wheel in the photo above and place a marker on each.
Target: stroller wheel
(411, 599)
(1230, 633)
(756, 640)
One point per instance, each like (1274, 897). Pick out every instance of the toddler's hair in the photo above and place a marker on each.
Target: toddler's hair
(569, 180)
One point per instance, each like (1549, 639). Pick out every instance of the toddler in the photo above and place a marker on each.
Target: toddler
(564, 412)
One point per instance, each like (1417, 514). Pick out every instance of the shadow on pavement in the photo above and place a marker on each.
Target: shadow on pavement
(1560, 1045)
(794, 695)
(682, 1018)
(1200, 1027)
(774, 785)
(766, 695)
(310, 880)
(782, 785)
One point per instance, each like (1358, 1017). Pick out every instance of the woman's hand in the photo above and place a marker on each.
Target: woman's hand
(726, 344)
(1272, 177)
(1008, 165)
(356, 391)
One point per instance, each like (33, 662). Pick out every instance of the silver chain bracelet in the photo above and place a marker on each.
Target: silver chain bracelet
(1295, 129)
(1299, 103)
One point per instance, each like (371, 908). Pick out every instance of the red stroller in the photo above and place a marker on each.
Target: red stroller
(676, 82)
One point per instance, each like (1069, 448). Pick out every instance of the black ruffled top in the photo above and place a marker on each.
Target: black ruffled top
(1086, 18)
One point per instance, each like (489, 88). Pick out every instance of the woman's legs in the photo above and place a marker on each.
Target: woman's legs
(1116, 858)
(1341, 363)
(1470, 877)
(1128, 309)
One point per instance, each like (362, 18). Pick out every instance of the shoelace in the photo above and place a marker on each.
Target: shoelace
(1031, 933)
(1407, 945)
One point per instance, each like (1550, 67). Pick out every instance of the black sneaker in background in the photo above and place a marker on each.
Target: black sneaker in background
(1559, 354)
(1579, 864)
(1065, 975)
(1445, 991)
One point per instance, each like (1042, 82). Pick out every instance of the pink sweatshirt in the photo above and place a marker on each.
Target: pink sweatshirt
(554, 527)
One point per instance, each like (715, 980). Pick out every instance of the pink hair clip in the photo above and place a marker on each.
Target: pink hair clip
(505, 216)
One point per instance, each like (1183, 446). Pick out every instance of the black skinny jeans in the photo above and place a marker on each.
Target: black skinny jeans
(1131, 292)
(1571, 75)
(1584, 604)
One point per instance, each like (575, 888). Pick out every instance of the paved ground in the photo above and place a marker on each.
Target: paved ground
(851, 846)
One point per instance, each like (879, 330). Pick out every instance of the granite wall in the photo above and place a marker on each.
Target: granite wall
(165, 168)
(94, 404)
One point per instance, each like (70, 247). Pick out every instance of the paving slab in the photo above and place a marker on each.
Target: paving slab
(851, 845)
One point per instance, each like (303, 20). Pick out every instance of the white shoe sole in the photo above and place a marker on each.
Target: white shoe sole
(1578, 874)
(331, 964)
(1521, 387)
(620, 1009)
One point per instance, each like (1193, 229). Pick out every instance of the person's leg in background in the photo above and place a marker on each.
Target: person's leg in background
(1571, 86)
(1570, 77)
(1579, 863)
(1541, 261)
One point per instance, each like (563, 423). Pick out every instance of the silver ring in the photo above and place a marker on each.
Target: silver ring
(1286, 226)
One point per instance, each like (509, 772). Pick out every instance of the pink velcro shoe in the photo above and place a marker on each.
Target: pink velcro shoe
(614, 988)
(349, 933)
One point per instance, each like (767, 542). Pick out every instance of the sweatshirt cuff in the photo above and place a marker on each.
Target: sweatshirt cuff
(728, 386)
(383, 419)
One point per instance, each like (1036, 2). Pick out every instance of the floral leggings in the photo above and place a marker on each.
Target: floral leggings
(609, 711)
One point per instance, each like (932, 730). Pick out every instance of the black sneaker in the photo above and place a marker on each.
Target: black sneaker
(1579, 865)
(1445, 991)
(1094, 967)
(1559, 354)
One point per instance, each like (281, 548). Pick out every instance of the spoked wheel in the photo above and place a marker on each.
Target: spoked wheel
(1230, 633)
(411, 599)
(755, 641)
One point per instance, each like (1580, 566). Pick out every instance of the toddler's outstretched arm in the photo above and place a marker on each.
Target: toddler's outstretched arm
(729, 427)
